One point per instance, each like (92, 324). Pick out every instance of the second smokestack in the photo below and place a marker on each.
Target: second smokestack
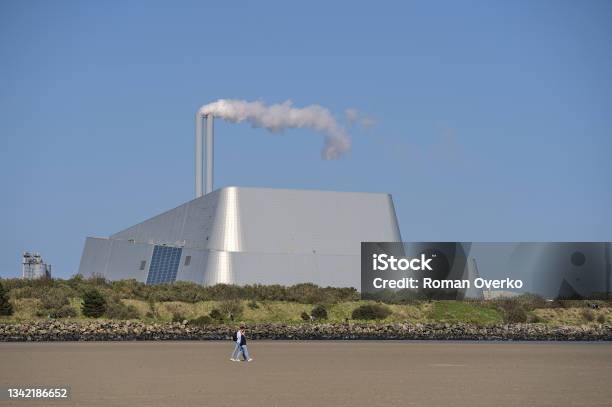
(204, 179)
(210, 139)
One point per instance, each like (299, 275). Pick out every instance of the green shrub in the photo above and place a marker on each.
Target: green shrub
(201, 321)
(533, 318)
(178, 317)
(319, 312)
(94, 305)
(129, 288)
(131, 312)
(601, 318)
(371, 311)
(97, 280)
(309, 293)
(231, 309)
(588, 315)
(56, 297)
(216, 315)
(152, 308)
(43, 282)
(515, 314)
(23, 292)
(304, 315)
(66, 311)
(116, 309)
(252, 304)
(6, 308)
(513, 309)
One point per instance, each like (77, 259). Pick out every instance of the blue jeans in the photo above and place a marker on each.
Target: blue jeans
(245, 352)
(236, 352)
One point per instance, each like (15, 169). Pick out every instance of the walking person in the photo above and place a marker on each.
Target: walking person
(237, 338)
(243, 345)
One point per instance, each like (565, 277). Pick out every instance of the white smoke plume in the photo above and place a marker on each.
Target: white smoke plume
(353, 116)
(278, 117)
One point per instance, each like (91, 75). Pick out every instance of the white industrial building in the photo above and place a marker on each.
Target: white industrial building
(239, 235)
(33, 266)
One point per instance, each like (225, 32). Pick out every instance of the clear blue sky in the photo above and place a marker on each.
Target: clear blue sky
(494, 118)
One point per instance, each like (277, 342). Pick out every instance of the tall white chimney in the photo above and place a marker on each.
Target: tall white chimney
(198, 154)
(210, 139)
(200, 187)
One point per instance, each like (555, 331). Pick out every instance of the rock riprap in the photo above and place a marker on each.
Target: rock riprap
(54, 330)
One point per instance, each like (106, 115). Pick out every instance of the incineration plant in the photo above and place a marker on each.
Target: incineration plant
(238, 235)
(34, 267)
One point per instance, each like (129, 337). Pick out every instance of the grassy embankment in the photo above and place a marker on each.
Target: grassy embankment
(128, 299)
(27, 309)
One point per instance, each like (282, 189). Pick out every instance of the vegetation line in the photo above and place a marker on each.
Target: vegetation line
(82, 299)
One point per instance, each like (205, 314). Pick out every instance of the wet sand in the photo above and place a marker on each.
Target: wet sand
(322, 373)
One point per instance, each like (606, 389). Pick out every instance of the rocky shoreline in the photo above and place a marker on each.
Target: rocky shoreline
(43, 331)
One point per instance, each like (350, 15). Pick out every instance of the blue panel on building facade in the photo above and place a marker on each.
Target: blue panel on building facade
(164, 264)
